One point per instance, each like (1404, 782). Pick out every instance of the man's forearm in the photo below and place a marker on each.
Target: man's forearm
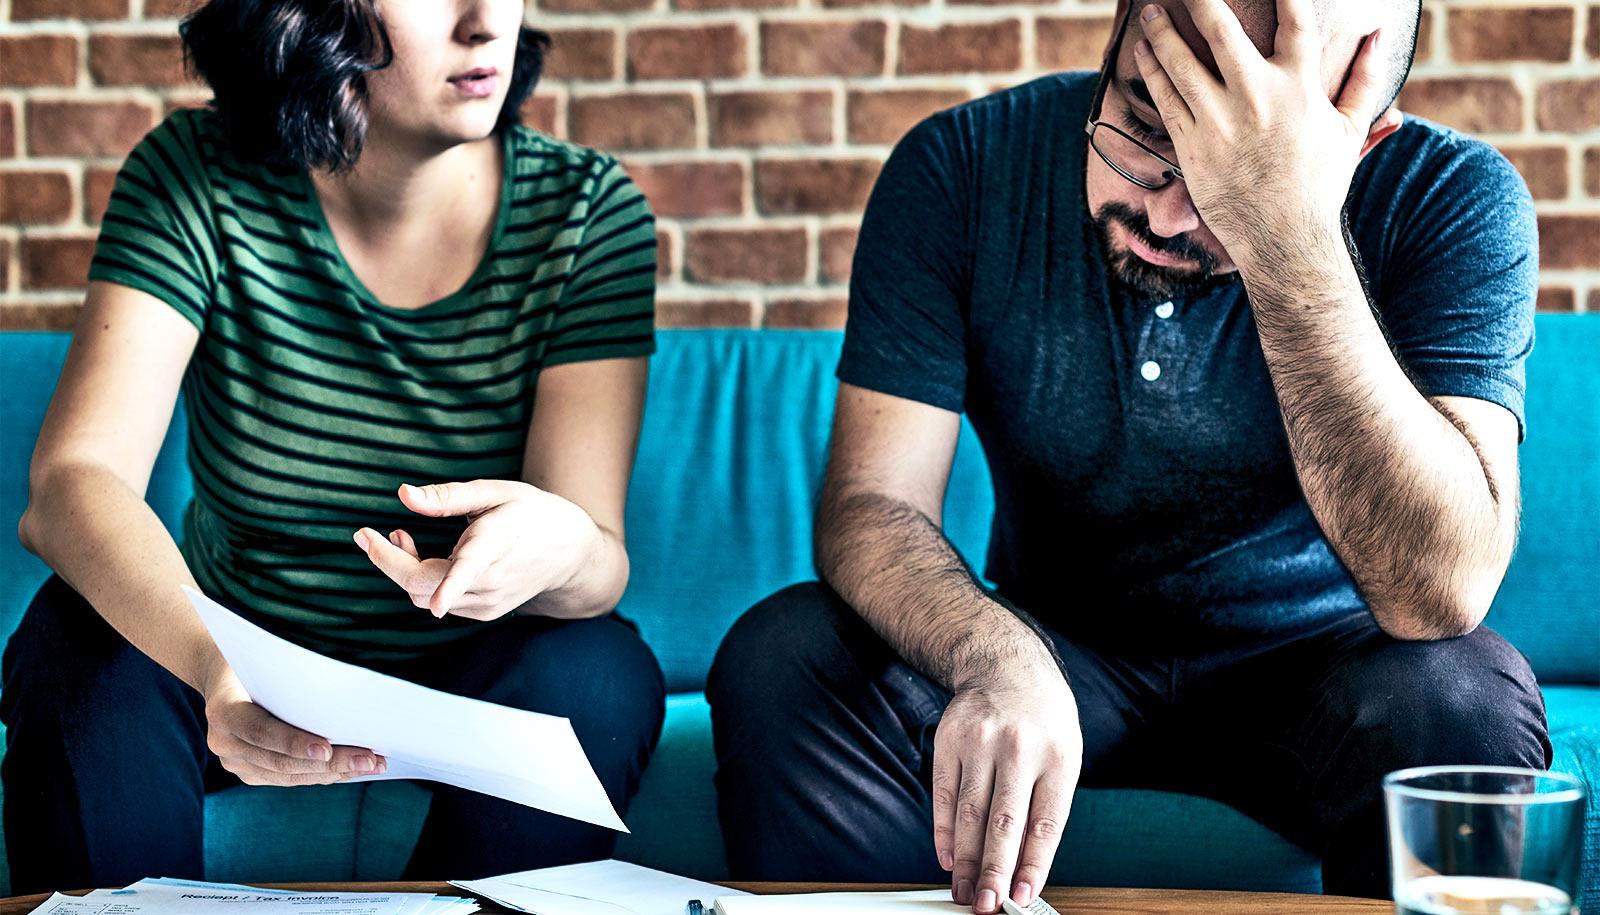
(894, 566)
(1400, 489)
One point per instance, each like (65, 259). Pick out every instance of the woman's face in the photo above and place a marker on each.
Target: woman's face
(451, 69)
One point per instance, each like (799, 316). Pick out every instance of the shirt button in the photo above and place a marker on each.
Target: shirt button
(1164, 310)
(1150, 371)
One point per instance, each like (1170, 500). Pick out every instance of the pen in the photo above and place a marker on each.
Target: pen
(694, 907)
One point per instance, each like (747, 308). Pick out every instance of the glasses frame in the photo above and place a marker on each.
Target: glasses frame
(1173, 171)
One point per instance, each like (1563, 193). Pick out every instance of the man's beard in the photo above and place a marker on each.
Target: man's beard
(1144, 278)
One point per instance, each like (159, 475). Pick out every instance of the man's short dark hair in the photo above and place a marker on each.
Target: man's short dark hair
(288, 77)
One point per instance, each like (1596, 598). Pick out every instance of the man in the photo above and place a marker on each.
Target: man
(1247, 366)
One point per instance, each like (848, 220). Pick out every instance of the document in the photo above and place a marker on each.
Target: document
(913, 902)
(181, 897)
(595, 888)
(520, 756)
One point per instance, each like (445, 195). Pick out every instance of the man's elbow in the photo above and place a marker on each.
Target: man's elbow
(1435, 614)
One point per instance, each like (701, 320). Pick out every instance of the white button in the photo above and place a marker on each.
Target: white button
(1164, 310)
(1150, 370)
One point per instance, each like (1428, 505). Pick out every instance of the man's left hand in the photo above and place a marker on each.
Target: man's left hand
(521, 542)
(1266, 156)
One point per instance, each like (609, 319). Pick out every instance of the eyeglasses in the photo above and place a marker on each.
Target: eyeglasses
(1127, 156)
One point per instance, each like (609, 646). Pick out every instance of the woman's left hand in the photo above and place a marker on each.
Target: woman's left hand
(521, 542)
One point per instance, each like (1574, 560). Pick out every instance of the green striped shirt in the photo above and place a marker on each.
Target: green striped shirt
(309, 401)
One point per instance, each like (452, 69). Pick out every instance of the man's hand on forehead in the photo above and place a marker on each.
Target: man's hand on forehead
(1265, 155)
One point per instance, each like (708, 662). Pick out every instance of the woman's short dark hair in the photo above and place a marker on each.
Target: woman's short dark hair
(288, 77)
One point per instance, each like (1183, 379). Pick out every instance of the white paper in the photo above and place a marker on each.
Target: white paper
(595, 888)
(912, 902)
(520, 756)
(431, 904)
(187, 900)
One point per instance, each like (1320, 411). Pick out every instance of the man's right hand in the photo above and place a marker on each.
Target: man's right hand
(262, 750)
(1006, 761)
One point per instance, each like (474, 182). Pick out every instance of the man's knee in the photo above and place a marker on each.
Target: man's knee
(792, 639)
(1469, 700)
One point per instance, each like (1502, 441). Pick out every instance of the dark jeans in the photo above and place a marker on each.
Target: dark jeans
(824, 736)
(106, 767)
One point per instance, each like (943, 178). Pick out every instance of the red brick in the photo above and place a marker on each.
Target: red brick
(169, 9)
(1591, 46)
(663, 255)
(853, 4)
(31, 315)
(1591, 171)
(1569, 105)
(5, 264)
(581, 54)
(745, 255)
(814, 185)
(138, 60)
(1569, 242)
(676, 313)
(838, 249)
(1071, 42)
(821, 314)
(1424, 49)
(544, 113)
(824, 48)
(1594, 297)
(732, 4)
(633, 120)
(38, 60)
(1544, 168)
(8, 130)
(595, 6)
(1472, 104)
(987, 47)
(24, 10)
(97, 185)
(1556, 298)
(78, 128)
(770, 118)
(686, 52)
(1510, 33)
(35, 197)
(691, 188)
(884, 115)
(56, 263)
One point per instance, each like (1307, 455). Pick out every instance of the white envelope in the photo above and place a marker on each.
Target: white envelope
(520, 756)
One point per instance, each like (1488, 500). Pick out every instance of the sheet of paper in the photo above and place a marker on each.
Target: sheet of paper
(595, 888)
(183, 897)
(914, 902)
(433, 905)
(520, 756)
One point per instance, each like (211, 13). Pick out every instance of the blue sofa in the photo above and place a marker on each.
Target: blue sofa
(719, 516)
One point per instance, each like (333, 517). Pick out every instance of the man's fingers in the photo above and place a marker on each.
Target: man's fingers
(1363, 88)
(1047, 815)
(1008, 815)
(1296, 38)
(946, 783)
(1187, 75)
(1236, 55)
(1174, 111)
(972, 820)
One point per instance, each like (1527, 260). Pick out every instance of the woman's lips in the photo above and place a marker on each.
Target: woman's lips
(480, 83)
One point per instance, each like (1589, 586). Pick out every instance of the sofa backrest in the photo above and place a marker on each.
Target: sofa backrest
(732, 455)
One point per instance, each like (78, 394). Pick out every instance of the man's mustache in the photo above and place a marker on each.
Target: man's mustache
(1178, 245)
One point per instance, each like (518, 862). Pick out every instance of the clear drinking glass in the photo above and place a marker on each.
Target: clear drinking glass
(1465, 840)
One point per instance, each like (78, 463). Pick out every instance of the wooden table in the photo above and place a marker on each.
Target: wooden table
(1066, 899)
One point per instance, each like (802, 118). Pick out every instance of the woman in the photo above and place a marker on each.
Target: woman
(359, 269)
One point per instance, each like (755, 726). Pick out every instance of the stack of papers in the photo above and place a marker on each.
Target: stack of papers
(166, 896)
(595, 888)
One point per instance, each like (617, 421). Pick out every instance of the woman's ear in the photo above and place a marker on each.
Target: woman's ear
(1387, 123)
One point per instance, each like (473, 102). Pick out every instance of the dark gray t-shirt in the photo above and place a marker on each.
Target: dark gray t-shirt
(1142, 477)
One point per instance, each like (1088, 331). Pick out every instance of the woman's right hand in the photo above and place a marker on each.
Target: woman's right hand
(262, 750)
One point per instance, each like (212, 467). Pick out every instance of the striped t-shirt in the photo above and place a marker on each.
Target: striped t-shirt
(309, 401)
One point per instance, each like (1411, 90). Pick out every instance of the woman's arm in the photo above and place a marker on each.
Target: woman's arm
(88, 520)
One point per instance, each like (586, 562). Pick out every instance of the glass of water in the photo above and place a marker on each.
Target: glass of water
(1465, 840)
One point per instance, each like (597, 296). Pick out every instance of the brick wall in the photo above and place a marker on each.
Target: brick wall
(757, 126)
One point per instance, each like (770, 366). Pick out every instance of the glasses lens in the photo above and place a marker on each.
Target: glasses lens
(1128, 155)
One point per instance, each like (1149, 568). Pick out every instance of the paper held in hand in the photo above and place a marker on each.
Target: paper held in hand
(520, 756)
